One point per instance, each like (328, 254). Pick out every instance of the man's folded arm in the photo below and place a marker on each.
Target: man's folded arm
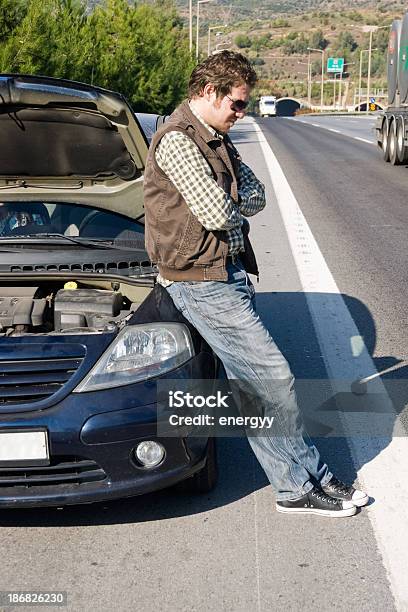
(182, 161)
(251, 192)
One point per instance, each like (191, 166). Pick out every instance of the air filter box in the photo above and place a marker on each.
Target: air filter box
(85, 307)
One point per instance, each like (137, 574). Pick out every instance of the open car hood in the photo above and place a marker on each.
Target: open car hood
(67, 141)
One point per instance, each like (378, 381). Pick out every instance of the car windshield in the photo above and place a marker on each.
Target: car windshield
(149, 123)
(68, 219)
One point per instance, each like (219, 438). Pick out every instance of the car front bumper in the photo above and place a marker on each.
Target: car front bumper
(92, 446)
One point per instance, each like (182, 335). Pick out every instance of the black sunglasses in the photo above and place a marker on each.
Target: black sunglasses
(237, 105)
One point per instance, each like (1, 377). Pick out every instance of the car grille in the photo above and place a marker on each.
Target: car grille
(31, 380)
(61, 471)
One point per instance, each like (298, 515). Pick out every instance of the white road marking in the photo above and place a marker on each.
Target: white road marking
(324, 127)
(364, 140)
(256, 534)
(383, 459)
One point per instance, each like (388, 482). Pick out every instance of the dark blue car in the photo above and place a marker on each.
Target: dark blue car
(85, 334)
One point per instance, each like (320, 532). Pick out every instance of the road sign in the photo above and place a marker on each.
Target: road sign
(335, 64)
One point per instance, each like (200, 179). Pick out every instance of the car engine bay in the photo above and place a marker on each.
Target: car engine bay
(64, 307)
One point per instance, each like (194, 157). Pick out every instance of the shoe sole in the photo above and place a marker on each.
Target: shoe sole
(329, 513)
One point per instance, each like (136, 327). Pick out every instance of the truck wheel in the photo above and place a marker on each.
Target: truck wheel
(401, 148)
(385, 142)
(205, 480)
(392, 144)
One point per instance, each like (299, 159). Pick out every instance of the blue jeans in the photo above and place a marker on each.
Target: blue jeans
(224, 314)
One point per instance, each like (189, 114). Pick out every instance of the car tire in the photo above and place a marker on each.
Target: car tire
(205, 480)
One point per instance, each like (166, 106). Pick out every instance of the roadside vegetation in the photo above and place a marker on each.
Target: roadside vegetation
(138, 49)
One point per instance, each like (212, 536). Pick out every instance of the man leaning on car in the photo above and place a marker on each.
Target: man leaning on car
(197, 195)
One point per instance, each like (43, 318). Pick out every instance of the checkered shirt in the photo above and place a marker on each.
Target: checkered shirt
(182, 161)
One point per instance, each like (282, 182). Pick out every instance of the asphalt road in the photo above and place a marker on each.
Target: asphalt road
(230, 550)
(356, 207)
(358, 127)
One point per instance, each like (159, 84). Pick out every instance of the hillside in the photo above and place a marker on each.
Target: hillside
(267, 9)
(278, 46)
(276, 34)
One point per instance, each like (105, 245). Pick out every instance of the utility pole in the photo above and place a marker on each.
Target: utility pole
(370, 45)
(360, 74)
(190, 25)
(359, 80)
(341, 106)
(322, 81)
(322, 84)
(340, 86)
(198, 23)
(371, 29)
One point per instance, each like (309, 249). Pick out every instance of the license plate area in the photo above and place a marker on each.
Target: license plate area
(24, 447)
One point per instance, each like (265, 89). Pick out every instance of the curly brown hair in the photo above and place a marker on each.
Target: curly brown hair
(224, 70)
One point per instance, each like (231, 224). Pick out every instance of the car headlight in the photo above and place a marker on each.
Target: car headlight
(140, 352)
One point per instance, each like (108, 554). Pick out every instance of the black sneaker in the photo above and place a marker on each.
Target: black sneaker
(317, 502)
(337, 489)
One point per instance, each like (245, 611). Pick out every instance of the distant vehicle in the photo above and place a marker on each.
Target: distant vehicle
(267, 106)
(392, 125)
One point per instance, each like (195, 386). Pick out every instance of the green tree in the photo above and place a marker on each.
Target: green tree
(260, 42)
(11, 14)
(381, 40)
(355, 16)
(345, 46)
(316, 67)
(242, 41)
(317, 40)
(47, 39)
(346, 41)
(280, 23)
(378, 64)
(140, 50)
(295, 43)
(257, 61)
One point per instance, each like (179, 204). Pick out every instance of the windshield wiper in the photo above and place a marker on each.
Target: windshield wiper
(19, 184)
(92, 244)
